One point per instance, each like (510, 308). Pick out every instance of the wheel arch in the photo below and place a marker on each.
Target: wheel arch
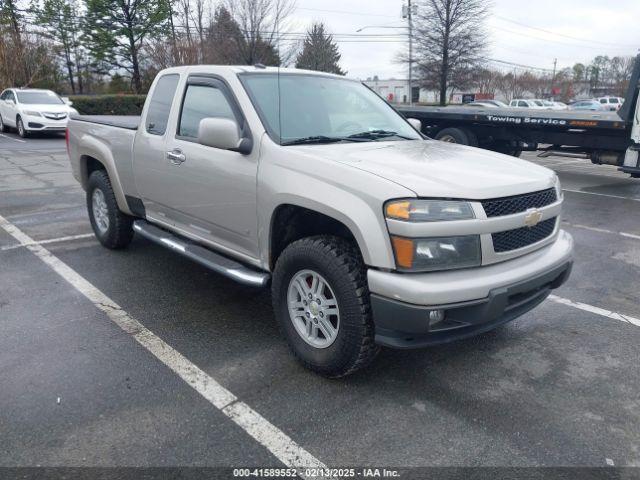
(98, 157)
(291, 221)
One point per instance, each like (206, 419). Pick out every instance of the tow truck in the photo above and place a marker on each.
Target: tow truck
(611, 138)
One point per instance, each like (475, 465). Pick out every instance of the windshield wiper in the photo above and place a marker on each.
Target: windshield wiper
(313, 139)
(377, 134)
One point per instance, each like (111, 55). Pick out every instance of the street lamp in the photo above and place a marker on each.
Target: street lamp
(413, 9)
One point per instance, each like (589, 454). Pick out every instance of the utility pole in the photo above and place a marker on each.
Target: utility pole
(408, 11)
(553, 77)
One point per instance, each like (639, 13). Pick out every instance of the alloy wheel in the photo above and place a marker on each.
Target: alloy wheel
(313, 308)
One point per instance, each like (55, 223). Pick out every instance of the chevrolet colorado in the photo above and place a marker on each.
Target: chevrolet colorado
(368, 233)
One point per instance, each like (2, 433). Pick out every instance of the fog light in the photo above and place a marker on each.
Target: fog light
(435, 316)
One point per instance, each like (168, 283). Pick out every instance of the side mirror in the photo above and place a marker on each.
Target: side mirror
(415, 123)
(222, 133)
(67, 101)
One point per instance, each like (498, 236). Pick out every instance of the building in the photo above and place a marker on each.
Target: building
(393, 90)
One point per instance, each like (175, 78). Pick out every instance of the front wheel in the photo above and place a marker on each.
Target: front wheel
(21, 130)
(112, 228)
(321, 302)
(3, 127)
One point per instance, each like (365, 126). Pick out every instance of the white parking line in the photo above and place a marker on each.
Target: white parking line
(602, 230)
(14, 139)
(267, 434)
(634, 199)
(44, 242)
(597, 310)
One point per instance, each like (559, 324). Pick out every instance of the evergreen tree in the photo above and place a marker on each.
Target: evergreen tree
(63, 25)
(319, 51)
(118, 31)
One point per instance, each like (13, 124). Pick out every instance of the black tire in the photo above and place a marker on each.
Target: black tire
(473, 138)
(454, 135)
(506, 149)
(20, 127)
(340, 263)
(119, 231)
(3, 127)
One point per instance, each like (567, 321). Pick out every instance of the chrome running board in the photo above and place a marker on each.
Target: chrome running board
(199, 254)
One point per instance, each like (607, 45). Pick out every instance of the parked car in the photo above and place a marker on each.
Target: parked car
(367, 232)
(488, 104)
(560, 105)
(610, 103)
(497, 103)
(525, 103)
(592, 105)
(32, 110)
(480, 104)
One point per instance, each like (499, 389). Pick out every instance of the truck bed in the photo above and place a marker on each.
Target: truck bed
(130, 122)
(553, 119)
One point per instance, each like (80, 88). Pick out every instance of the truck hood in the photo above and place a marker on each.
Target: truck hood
(437, 169)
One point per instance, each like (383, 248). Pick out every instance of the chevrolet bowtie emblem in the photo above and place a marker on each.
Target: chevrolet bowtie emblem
(533, 217)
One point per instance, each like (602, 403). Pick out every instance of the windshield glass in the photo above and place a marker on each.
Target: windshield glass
(41, 98)
(324, 108)
(538, 102)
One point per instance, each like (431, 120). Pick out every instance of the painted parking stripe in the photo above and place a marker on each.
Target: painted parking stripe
(14, 139)
(597, 310)
(45, 242)
(602, 230)
(267, 434)
(633, 199)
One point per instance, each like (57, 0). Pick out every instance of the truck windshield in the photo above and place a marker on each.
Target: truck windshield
(322, 109)
(39, 98)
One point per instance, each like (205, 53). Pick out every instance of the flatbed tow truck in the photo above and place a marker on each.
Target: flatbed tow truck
(611, 138)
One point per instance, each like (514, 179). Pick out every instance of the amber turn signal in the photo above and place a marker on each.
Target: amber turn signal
(403, 248)
(399, 210)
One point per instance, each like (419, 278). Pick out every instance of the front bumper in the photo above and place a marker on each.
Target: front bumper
(43, 124)
(474, 300)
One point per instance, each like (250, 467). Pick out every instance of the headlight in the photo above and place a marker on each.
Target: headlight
(558, 188)
(428, 210)
(32, 113)
(443, 253)
(73, 111)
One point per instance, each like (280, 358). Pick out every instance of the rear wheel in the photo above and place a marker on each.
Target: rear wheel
(21, 130)
(112, 228)
(461, 136)
(321, 302)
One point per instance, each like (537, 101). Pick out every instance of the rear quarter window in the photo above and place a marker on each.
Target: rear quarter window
(160, 104)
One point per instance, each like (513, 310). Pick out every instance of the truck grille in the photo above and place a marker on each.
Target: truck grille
(497, 207)
(522, 237)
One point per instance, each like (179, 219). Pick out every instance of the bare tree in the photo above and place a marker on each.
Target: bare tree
(262, 24)
(450, 42)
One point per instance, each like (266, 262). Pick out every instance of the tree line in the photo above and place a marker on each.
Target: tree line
(451, 56)
(115, 46)
(109, 46)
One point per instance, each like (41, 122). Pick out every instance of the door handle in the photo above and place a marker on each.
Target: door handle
(176, 157)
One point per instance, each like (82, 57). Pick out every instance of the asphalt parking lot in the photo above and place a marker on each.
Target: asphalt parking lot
(558, 387)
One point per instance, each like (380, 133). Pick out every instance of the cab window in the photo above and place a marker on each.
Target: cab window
(202, 101)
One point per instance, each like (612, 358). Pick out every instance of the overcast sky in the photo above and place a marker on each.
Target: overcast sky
(581, 29)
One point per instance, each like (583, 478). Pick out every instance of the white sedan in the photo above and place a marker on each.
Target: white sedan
(31, 110)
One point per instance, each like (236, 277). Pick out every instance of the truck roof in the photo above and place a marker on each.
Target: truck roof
(249, 69)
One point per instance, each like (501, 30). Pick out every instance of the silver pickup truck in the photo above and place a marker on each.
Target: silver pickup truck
(369, 233)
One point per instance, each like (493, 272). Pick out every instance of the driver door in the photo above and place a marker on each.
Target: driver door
(212, 195)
